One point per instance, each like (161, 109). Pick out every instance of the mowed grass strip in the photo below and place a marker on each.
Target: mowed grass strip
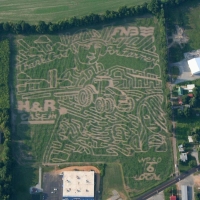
(33, 11)
(113, 180)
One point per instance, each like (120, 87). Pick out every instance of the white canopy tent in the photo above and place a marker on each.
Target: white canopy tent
(194, 65)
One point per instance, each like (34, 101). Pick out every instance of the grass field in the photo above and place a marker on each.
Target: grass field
(94, 95)
(190, 22)
(113, 180)
(33, 11)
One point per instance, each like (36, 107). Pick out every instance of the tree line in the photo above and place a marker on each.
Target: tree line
(22, 27)
(5, 134)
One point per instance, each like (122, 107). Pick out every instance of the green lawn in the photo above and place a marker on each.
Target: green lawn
(113, 180)
(186, 16)
(35, 10)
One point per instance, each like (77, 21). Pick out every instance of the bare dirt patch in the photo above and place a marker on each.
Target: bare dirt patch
(117, 195)
(196, 179)
(179, 37)
(122, 196)
(78, 168)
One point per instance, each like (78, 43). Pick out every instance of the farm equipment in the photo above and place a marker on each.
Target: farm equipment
(105, 96)
(102, 92)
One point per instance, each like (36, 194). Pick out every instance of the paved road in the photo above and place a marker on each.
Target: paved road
(167, 184)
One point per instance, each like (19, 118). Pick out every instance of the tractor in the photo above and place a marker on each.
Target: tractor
(105, 96)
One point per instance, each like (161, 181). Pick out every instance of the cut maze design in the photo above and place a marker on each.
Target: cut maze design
(97, 109)
(149, 168)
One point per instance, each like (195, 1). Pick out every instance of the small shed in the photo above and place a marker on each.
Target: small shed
(180, 148)
(190, 139)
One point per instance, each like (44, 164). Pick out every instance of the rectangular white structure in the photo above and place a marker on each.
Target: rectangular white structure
(78, 184)
(189, 87)
(183, 157)
(184, 192)
(194, 65)
(190, 139)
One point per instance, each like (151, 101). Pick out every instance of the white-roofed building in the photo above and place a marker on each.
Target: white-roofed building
(183, 157)
(184, 192)
(190, 139)
(180, 148)
(194, 65)
(78, 185)
(189, 87)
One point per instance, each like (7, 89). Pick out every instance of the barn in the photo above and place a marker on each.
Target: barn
(194, 65)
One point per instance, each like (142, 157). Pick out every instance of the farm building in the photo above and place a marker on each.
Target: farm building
(189, 87)
(78, 185)
(194, 65)
(183, 157)
(180, 148)
(184, 192)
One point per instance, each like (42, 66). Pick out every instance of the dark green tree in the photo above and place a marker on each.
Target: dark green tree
(122, 11)
(25, 27)
(196, 138)
(41, 27)
(197, 195)
(193, 102)
(196, 92)
(154, 6)
(6, 27)
(192, 163)
(180, 113)
(187, 112)
(17, 28)
(185, 99)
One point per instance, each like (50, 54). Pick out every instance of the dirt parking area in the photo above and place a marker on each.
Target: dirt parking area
(196, 180)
